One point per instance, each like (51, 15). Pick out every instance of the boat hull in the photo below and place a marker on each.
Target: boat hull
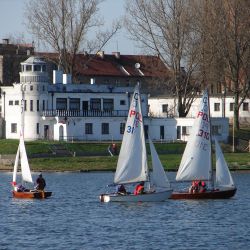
(147, 197)
(32, 195)
(213, 194)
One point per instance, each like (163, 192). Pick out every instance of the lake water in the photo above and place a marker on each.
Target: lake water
(73, 218)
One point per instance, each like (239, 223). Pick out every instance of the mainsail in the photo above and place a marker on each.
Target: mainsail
(196, 160)
(25, 169)
(159, 177)
(223, 176)
(132, 162)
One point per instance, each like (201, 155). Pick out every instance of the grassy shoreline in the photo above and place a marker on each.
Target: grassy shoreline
(95, 157)
(236, 161)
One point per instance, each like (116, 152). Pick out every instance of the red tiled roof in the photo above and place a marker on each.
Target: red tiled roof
(123, 65)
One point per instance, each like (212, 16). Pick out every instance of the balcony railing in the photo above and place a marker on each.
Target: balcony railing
(84, 113)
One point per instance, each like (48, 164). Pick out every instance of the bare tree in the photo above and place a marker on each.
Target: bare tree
(168, 28)
(64, 26)
(228, 34)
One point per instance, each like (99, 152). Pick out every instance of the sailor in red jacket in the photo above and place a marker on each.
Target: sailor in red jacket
(139, 189)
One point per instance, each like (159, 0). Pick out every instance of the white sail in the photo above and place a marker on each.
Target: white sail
(25, 169)
(223, 176)
(159, 177)
(16, 166)
(132, 162)
(196, 160)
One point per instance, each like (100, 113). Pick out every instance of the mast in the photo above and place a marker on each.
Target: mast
(210, 137)
(140, 108)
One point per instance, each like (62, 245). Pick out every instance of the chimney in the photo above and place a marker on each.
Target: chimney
(6, 41)
(67, 79)
(116, 54)
(57, 76)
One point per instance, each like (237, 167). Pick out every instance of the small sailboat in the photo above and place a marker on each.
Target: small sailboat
(18, 190)
(132, 165)
(196, 163)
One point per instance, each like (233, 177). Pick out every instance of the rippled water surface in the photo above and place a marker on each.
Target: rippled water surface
(73, 218)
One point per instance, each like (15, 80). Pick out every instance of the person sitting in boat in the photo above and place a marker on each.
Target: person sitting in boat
(21, 188)
(203, 187)
(194, 187)
(121, 189)
(41, 183)
(139, 189)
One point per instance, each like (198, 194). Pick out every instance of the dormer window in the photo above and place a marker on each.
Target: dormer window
(37, 67)
(43, 68)
(28, 67)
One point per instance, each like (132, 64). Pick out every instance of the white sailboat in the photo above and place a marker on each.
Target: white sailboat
(132, 166)
(196, 163)
(26, 175)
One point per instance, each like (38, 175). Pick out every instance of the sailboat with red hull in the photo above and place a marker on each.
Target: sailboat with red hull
(196, 163)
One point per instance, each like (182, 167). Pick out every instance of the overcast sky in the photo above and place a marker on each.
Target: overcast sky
(12, 23)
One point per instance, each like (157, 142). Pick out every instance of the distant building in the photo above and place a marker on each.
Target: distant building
(62, 110)
(11, 55)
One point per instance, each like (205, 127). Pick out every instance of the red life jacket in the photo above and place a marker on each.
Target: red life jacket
(139, 189)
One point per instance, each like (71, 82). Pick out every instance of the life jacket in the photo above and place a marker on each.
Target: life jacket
(139, 189)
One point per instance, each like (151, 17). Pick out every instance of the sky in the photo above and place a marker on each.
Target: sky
(12, 23)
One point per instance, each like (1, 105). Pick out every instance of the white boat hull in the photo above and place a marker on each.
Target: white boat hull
(147, 197)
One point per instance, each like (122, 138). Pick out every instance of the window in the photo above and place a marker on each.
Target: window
(10, 103)
(17, 102)
(216, 106)
(28, 67)
(186, 130)
(245, 106)
(216, 130)
(37, 128)
(231, 106)
(95, 104)
(146, 131)
(37, 105)
(178, 132)
(25, 105)
(44, 68)
(122, 128)
(13, 128)
(162, 135)
(88, 128)
(31, 87)
(85, 105)
(37, 67)
(31, 105)
(74, 104)
(43, 105)
(61, 103)
(105, 128)
(164, 108)
(122, 102)
(108, 104)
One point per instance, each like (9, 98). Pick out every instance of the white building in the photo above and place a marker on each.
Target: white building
(220, 106)
(65, 111)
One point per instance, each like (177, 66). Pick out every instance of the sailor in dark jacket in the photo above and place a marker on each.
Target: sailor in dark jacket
(40, 181)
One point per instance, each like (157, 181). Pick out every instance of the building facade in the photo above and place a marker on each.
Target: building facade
(63, 110)
(220, 106)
